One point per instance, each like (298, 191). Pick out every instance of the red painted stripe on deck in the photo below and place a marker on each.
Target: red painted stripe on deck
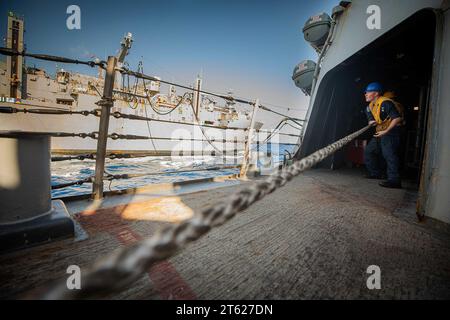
(166, 280)
(169, 282)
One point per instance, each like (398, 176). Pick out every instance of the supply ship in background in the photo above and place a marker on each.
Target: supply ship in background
(173, 117)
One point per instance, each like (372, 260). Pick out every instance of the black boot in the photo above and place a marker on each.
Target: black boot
(390, 184)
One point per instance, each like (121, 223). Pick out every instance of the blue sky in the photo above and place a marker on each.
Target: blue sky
(248, 46)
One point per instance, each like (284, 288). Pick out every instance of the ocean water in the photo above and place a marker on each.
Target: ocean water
(73, 170)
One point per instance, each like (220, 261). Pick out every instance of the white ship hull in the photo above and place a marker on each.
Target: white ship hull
(172, 136)
(191, 123)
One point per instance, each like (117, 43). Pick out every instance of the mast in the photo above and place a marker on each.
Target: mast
(14, 64)
(125, 46)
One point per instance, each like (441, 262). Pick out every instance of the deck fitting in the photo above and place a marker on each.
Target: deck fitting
(55, 225)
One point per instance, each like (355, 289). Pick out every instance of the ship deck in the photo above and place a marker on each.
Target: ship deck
(314, 238)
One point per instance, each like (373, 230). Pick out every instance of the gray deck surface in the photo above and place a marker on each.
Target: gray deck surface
(314, 238)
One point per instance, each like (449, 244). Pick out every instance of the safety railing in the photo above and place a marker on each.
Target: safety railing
(125, 265)
(104, 112)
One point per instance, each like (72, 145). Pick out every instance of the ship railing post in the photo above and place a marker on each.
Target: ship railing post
(106, 103)
(248, 141)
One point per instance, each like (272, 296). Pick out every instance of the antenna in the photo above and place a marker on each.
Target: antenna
(125, 46)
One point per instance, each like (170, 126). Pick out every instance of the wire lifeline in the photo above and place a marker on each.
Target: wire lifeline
(111, 177)
(48, 111)
(77, 157)
(92, 135)
(102, 64)
(97, 112)
(91, 156)
(11, 52)
(127, 264)
(117, 115)
(114, 136)
(73, 183)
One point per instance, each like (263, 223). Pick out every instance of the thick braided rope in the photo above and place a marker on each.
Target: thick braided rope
(127, 264)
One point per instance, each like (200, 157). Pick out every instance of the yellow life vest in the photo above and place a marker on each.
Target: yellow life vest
(375, 109)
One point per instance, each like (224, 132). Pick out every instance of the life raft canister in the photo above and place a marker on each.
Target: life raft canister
(375, 109)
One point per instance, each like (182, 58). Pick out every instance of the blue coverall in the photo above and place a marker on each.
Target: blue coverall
(388, 144)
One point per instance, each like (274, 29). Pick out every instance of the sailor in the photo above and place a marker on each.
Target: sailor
(387, 116)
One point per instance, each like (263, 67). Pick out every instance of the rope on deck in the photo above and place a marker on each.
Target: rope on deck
(127, 264)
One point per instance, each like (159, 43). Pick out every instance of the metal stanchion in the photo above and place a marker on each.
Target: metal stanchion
(248, 142)
(106, 103)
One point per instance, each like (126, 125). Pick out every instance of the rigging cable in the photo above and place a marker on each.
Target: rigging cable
(145, 107)
(278, 127)
(202, 130)
(97, 112)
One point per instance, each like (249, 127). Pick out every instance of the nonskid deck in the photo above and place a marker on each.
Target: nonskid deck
(314, 239)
